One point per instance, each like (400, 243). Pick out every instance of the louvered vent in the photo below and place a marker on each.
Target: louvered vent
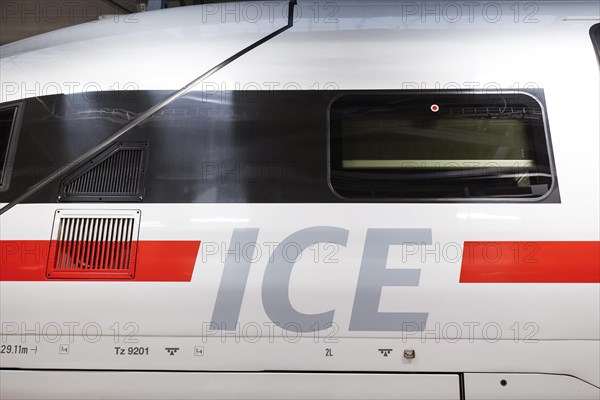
(501, 112)
(96, 245)
(115, 175)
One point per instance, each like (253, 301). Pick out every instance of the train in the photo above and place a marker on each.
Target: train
(304, 200)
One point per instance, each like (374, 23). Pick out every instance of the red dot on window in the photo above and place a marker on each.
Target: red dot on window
(435, 108)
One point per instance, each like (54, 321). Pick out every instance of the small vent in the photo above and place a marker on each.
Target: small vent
(95, 245)
(115, 175)
(501, 112)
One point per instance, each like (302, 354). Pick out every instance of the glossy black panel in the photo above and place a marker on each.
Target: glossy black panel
(226, 147)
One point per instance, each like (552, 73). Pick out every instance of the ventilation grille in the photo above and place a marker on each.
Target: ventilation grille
(502, 112)
(115, 175)
(98, 246)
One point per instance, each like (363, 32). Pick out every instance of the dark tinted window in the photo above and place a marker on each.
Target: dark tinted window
(439, 146)
(7, 122)
(595, 34)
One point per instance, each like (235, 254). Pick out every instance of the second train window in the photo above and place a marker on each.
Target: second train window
(426, 145)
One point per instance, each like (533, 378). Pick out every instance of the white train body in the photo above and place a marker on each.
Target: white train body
(240, 288)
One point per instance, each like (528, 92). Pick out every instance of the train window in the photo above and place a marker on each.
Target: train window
(8, 123)
(595, 35)
(439, 146)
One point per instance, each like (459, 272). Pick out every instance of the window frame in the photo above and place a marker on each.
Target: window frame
(11, 148)
(552, 194)
(595, 36)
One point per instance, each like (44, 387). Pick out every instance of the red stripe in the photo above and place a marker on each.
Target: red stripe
(164, 261)
(531, 262)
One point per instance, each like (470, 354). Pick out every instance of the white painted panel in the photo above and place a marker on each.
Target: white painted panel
(527, 387)
(230, 351)
(163, 49)
(150, 385)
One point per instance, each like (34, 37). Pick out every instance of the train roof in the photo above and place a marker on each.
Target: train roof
(341, 44)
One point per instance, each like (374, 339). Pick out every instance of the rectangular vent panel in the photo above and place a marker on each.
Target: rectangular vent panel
(94, 244)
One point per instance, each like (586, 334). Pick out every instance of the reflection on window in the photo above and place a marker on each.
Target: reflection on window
(443, 145)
